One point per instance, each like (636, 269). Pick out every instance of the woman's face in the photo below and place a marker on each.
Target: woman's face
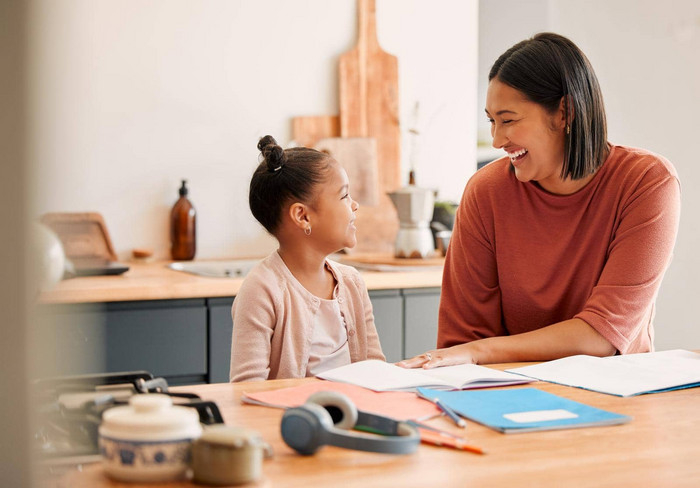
(332, 214)
(532, 137)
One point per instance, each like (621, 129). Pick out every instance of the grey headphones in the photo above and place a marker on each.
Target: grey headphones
(327, 418)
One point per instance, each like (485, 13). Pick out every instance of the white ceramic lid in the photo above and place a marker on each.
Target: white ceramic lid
(150, 416)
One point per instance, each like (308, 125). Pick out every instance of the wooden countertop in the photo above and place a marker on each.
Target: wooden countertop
(659, 447)
(155, 281)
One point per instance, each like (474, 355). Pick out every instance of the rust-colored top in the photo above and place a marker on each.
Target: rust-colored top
(521, 258)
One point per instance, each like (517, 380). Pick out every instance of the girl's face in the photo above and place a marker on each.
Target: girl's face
(332, 215)
(532, 137)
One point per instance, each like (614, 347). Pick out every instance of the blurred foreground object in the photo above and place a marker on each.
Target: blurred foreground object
(48, 257)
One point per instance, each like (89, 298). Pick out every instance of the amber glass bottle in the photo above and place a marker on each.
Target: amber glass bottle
(183, 233)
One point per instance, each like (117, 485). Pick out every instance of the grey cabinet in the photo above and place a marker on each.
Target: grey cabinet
(420, 320)
(165, 337)
(189, 341)
(388, 318)
(220, 331)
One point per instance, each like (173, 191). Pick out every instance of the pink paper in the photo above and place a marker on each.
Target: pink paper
(398, 405)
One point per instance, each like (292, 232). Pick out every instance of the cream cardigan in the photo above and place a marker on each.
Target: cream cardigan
(273, 317)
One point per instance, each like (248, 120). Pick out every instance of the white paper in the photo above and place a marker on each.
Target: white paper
(539, 416)
(624, 375)
(380, 376)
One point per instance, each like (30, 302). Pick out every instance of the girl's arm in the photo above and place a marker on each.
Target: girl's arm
(253, 323)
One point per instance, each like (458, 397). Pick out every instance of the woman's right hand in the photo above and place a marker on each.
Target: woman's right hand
(449, 356)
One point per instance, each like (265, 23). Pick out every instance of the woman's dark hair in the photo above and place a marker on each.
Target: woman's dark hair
(546, 69)
(283, 176)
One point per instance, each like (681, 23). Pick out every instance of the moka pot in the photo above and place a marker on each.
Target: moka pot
(414, 207)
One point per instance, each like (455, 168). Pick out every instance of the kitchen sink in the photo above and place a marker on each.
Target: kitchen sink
(236, 268)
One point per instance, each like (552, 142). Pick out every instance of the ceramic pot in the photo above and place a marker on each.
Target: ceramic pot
(149, 440)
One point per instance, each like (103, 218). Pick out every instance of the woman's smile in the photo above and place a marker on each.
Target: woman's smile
(516, 157)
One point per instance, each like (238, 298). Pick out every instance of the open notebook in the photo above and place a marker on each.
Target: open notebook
(626, 375)
(380, 376)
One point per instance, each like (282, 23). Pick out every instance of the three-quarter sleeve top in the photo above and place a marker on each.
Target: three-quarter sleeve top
(521, 258)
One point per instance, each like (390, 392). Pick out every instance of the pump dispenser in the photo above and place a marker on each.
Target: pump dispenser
(183, 234)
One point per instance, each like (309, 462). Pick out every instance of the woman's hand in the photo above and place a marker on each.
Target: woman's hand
(449, 356)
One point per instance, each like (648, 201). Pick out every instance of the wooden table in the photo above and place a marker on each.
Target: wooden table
(659, 447)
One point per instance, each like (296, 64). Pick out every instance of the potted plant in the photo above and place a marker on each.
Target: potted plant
(444, 212)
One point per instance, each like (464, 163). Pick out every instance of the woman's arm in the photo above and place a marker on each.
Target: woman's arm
(470, 297)
(616, 309)
(551, 342)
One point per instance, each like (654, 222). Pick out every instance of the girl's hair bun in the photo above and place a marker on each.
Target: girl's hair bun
(266, 141)
(273, 153)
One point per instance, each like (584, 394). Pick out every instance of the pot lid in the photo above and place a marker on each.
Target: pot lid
(152, 413)
(231, 436)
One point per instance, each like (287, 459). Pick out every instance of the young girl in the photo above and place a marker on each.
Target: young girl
(297, 313)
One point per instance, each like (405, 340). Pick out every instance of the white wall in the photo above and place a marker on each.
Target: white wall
(503, 23)
(133, 95)
(645, 54)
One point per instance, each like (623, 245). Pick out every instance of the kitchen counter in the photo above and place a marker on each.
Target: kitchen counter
(178, 325)
(155, 281)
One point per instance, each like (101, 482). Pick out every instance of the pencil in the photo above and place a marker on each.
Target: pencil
(450, 413)
(437, 439)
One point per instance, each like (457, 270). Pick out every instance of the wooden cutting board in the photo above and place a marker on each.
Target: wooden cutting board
(369, 107)
(307, 131)
(358, 156)
(390, 260)
(83, 234)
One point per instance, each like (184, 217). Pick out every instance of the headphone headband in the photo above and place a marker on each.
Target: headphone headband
(310, 426)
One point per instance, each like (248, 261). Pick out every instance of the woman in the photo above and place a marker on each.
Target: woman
(560, 247)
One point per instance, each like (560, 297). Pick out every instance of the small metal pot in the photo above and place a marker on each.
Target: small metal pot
(228, 455)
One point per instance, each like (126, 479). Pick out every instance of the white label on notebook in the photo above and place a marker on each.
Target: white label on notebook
(540, 415)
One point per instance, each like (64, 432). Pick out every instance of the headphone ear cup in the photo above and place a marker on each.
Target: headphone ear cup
(340, 408)
(305, 428)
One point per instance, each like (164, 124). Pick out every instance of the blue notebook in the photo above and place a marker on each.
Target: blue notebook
(523, 410)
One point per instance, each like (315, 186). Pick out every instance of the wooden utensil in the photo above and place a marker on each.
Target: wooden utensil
(358, 155)
(369, 107)
(307, 131)
(83, 235)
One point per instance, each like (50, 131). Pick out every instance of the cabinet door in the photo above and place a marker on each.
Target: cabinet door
(166, 338)
(220, 332)
(421, 320)
(388, 318)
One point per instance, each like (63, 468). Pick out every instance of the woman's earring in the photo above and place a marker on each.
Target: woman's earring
(307, 231)
(568, 129)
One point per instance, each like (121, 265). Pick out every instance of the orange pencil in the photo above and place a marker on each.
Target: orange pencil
(437, 439)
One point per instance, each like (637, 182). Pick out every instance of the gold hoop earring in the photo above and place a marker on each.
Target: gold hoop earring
(568, 129)
(307, 231)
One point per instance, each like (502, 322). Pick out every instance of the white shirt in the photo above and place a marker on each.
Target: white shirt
(329, 343)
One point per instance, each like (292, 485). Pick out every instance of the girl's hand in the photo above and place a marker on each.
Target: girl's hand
(449, 356)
